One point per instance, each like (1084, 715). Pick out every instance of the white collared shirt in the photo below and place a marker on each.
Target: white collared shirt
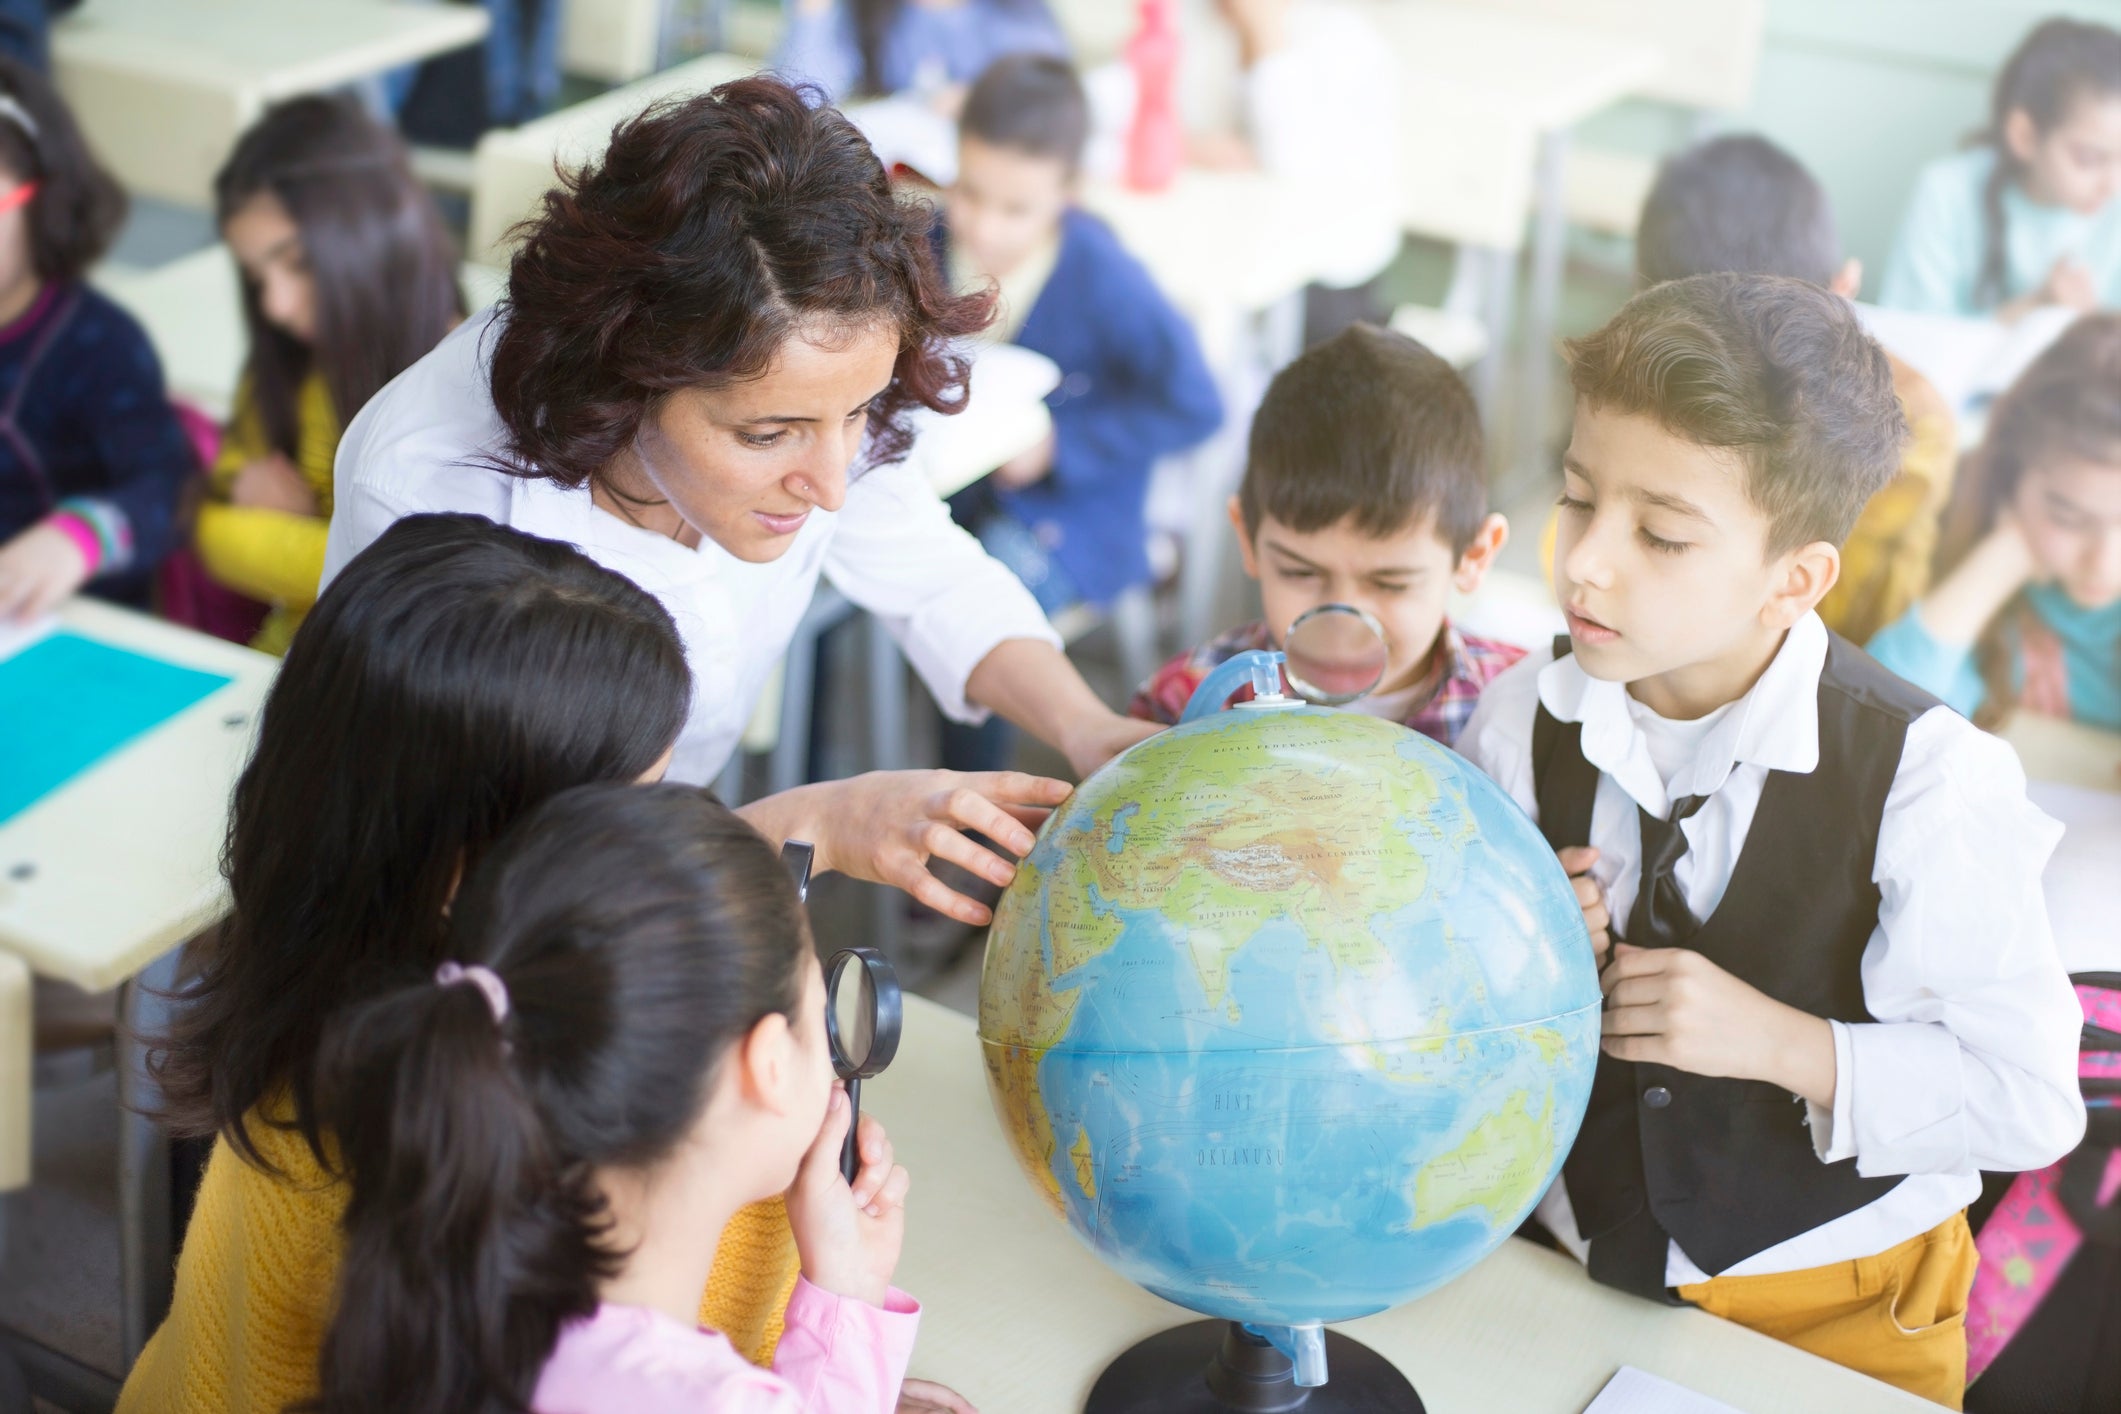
(892, 549)
(1971, 1061)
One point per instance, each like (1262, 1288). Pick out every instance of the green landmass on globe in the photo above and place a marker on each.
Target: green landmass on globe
(1290, 1013)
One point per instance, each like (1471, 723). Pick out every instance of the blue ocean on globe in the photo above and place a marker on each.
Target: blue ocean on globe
(1291, 1014)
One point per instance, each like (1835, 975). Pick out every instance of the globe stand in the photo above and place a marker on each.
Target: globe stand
(1216, 1367)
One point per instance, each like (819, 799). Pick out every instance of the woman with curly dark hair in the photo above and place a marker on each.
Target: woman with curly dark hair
(701, 378)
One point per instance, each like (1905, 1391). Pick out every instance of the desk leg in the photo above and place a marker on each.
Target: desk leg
(1549, 248)
(15, 1065)
(146, 1247)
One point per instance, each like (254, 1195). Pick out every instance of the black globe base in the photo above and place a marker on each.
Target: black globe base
(1215, 1367)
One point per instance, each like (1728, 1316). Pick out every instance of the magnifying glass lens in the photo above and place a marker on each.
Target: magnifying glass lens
(854, 1014)
(1336, 654)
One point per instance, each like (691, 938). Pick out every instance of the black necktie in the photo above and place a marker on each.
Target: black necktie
(1661, 918)
(1632, 1255)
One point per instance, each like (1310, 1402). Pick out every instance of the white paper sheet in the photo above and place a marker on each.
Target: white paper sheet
(1634, 1391)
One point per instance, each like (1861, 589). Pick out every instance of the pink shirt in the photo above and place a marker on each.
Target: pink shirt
(837, 1356)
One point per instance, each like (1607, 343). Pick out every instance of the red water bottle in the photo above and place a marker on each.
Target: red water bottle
(1156, 144)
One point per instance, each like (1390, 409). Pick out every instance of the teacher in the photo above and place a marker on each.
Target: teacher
(700, 377)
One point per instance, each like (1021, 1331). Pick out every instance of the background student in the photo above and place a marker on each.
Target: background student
(2030, 215)
(348, 279)
(92, 456)
(2026, 611)
(1067, 515)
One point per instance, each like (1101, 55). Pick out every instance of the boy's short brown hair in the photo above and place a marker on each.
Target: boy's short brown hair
(1776, 369)
(1369, 425)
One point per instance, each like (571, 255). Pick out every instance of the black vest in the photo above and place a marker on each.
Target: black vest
(1727, 1166)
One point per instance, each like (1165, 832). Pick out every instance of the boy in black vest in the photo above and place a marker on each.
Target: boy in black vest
(1831, 994)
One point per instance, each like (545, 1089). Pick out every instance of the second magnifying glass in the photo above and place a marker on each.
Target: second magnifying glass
(864, 1012)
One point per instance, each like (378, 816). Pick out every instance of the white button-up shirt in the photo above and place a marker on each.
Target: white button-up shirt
(1971, 1060)
(417, 446)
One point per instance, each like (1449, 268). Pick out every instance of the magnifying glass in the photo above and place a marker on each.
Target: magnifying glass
(1336, 654)
(864, 1012)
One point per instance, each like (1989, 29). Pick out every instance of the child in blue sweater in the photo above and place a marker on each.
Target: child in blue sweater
(2030, 214)
(2026, 608)
(92, 457)
(1067, 516)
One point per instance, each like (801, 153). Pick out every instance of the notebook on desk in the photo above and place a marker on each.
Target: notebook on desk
(67, 701)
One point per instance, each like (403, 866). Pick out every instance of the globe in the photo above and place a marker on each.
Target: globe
(1290, 1013)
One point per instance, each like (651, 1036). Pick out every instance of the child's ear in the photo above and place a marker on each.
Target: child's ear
(1236, 510)
(765, 1064)
(1479, 558)
(2021, 135)
(1848, 279)
(1808, 572)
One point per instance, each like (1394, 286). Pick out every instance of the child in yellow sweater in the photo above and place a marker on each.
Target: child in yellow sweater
(456, 675)
(348, 279)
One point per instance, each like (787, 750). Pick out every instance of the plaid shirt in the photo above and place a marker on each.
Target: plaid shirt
(1470, 664)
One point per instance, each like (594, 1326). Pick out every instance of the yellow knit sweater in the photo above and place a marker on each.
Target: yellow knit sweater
(274, 557)
(255, 1282)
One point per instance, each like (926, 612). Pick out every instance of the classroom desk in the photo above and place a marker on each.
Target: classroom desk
(192, 310)
(2065, 753)
(163, 88)
(1486, 107)
(1021, 1317)
(111, 871)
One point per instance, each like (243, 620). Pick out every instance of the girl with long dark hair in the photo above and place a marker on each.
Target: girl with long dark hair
(874, 48)
(348, 278)
(2030, 213)
(455, 677)
(2025, 611)
(701, 377)
(92, 457)
(546, 1135)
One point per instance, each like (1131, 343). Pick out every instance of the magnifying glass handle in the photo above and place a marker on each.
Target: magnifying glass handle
(851, 1151)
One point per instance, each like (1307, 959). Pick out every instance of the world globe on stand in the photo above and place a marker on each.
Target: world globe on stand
(1291, 1014)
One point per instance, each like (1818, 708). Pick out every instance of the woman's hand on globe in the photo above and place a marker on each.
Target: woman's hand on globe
(886, 826)
(849, 1236)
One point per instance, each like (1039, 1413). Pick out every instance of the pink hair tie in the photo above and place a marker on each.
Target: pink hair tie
(490, 985)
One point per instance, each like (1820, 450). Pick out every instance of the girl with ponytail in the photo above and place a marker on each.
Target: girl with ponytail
(2026, 607)
(546, 1135)
(2028, 215)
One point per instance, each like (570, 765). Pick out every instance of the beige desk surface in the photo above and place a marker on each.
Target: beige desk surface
(125, 854)
(2066, 753)
(164, 87)
(280, 47)
(1020, 1318)
(192, 310)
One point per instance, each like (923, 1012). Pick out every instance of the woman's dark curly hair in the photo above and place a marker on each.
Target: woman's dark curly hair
(714, 229)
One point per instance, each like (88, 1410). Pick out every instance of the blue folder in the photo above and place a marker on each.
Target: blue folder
(66, 702)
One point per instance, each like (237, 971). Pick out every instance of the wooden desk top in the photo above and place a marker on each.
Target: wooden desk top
(1021, 1318)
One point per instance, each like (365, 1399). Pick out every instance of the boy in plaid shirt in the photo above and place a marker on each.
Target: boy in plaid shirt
(1365, 484)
